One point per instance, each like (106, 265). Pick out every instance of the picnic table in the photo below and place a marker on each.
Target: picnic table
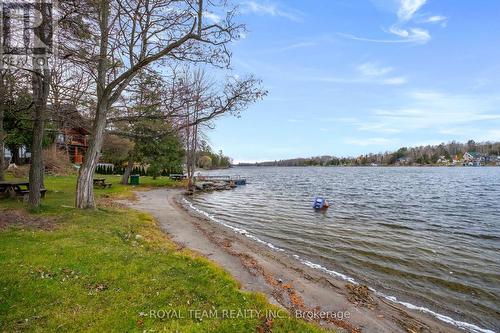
(177, 176)
(101, 182)
(17, 189)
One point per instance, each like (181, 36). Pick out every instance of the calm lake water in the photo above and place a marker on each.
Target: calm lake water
(429, 237)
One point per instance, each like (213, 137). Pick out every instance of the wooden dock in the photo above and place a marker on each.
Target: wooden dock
(227, 179)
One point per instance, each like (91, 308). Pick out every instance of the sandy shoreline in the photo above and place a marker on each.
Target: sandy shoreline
(285, 281)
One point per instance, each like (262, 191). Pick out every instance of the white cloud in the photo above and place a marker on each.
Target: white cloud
(376, 127)
(347, 120)
(294, 46)
(372, 72)
(408, 8)
(381, 81)
(464, 133)
(375, 40)
(406, 11)
(435, 111)
(435, 19)
(452, 131)
(412, 35)
(371, 69)
(271, 9)
(395, 81)
(212, 17)
(300, 45)
(491, 135)
(369, 141)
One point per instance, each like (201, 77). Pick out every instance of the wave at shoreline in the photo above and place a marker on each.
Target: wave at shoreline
(460, 324)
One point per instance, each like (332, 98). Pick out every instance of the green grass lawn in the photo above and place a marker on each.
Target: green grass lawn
(89, 271)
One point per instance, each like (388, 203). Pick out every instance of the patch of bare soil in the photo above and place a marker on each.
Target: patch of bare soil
(108, 201)
(22, 220)
(284, 293)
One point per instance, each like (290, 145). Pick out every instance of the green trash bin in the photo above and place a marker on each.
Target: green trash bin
(134, 180)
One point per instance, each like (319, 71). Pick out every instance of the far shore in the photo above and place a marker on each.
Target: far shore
(302, 290)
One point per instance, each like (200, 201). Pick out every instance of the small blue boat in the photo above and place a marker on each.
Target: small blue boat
(320, 203)
(240, 181)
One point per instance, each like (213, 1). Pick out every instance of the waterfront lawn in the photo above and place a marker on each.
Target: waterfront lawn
(105, 270)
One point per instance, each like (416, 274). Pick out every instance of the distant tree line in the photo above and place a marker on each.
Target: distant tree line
(422, 155)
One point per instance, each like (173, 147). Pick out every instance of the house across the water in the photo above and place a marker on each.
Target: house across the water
(404, 161)
(472, 158)
(443, 160)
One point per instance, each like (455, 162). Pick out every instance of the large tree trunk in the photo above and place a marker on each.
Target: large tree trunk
(36, 167)
(2, 135)
(41, 86)
(85, 184)
(128, 171)
(40, 94)
(14, 150)
(2, 147)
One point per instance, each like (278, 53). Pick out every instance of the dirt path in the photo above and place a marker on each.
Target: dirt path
(286, 282)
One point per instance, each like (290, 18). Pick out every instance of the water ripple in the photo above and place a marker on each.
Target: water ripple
(423, 235)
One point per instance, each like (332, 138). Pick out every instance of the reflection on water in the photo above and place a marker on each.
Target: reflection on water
(429, 236)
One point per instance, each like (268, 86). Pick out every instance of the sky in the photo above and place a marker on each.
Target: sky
(348, 77)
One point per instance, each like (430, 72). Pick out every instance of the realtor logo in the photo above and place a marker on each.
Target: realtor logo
(26, 27)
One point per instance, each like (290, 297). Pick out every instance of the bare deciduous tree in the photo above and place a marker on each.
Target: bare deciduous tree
(132, 35)
(37, 65)
(184, 100)
(69, 85)
(204, 101)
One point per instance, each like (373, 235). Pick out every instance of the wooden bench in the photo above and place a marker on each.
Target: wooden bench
(27, 192)
(13, 189)
(101, 182)
(177, 176)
